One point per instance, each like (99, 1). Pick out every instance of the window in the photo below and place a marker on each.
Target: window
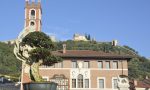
(115, 65)
(100, 64)
(59, 65)
(86, 83)
(32, 14)
(74, 64)
(86, 64)
(115, 85)
(32, 23)
(107, 64)
(73, 83)
(80, 81)
(101, 83)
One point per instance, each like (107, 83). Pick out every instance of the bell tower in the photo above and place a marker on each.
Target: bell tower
(33, 14)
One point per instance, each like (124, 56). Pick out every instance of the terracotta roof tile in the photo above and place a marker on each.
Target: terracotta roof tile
(88, 53)
(142, 84)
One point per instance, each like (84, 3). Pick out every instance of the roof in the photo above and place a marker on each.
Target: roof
(88, 54)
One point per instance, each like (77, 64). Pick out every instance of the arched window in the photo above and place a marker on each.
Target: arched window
(80, 81)
(32, 23)
(32, 14)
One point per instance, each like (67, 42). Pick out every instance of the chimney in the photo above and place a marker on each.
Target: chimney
(64, 48)
(114, 43)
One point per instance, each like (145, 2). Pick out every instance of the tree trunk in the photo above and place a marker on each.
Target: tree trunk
(35, 72)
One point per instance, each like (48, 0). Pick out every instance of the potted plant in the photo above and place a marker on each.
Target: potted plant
(35, 49)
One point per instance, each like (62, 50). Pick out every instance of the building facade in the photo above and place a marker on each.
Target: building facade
(88, 70)
(85, 70)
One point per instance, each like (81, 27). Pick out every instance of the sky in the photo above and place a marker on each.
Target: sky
(127, 21)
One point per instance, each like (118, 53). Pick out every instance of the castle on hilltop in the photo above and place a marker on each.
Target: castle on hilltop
(78, 37)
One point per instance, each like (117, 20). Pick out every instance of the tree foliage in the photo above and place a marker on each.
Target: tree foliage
(93, 45)
(9, 65)
(139, 68)
(43, 47)
(40, 54)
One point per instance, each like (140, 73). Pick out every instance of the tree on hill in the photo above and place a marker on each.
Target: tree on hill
(139, 68)
(9, 65)
(88, 36)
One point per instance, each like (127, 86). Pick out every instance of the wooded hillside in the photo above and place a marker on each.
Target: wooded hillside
(139, 67)
(9, 65)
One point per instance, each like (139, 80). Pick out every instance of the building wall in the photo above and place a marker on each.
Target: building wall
(107, 74)
(93, 72)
